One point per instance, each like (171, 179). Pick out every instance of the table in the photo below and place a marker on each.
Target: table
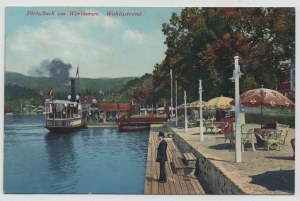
(262, 132)
(262, 135)
(222, 126)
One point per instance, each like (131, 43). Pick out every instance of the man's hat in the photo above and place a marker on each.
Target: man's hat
(161, 134)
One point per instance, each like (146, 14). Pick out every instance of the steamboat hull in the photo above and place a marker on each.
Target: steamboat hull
(65, 129)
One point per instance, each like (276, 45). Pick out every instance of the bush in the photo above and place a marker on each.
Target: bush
(288, 119)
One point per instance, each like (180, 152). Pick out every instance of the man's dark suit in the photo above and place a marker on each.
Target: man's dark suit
(162, 158)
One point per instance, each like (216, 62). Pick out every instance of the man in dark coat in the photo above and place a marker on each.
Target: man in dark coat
(162, 157)
(271, 124)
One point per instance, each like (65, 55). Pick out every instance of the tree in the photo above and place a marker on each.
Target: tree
(142, 93)
(187, 37)
(262, 37)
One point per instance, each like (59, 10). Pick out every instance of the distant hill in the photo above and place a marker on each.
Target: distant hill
(45, 83)
(20, 87)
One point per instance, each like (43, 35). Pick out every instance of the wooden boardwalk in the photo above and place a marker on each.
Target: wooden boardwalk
(176, 184)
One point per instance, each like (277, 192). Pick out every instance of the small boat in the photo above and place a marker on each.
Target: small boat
(63, 116)
(39, 110)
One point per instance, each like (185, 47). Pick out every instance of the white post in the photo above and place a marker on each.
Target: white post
(146, 111)
(185, 114)
(200, 111)
(238, 143)
(176, 114)
(171, 94)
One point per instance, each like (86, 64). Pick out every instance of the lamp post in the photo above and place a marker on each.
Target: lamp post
(236, 76)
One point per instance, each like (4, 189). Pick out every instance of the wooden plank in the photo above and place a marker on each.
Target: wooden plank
(189, 157)
(161, 189)
(148, 179)
(197, 187)
(185, 180)
(174, 178)
(153, 166)
(147, 183)
(176, 153)
(188, 184)
(170, 178)
(176, 183)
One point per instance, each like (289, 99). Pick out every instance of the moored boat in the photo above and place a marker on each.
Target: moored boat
(138, 123)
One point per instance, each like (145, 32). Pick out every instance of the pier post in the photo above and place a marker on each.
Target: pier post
(176, 113)
(200, 111)
(185, 113)
(171, 93)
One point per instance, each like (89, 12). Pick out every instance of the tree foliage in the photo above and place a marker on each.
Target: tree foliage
(202, 42)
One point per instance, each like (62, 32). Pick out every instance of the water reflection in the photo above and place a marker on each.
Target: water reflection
(96, 160)
(62, 157)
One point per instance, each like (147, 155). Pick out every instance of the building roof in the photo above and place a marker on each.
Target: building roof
(115, 106)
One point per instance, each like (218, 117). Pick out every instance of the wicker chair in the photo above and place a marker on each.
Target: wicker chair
(248, 136)
(285, 132)
(272, 139)
(229, 134)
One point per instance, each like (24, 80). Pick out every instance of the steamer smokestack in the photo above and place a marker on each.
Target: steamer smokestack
(73, 96)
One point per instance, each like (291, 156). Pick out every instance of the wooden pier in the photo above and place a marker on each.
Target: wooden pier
(177, 183)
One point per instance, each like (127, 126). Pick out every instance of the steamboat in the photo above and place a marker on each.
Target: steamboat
(65, 116)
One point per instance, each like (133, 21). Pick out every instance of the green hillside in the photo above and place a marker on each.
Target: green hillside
(22, 88)
(45, 83)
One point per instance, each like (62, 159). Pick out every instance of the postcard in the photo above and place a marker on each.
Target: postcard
(131, 101)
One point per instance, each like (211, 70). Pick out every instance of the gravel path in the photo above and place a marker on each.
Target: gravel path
(260, 172)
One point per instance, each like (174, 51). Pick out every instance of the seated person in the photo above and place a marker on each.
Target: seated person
(271, 124)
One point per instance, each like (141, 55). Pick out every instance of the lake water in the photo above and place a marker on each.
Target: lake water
(93, 160)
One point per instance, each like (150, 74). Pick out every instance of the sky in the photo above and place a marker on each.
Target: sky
(101, 46)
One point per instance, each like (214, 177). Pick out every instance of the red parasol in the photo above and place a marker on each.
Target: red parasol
(265, 97)
(270, 98)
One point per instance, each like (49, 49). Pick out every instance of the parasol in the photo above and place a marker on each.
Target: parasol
(194, 104)
(220, 102)
(265, 97)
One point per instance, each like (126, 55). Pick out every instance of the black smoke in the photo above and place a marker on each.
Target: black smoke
(55, 68)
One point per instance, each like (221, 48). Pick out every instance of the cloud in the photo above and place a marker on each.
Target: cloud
(72, 41)
(110, 22)
(102, 46)
(135, 35)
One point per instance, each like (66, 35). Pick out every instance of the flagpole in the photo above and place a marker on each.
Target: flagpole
(77, 73)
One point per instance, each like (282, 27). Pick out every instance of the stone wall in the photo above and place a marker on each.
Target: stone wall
(212, 179)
